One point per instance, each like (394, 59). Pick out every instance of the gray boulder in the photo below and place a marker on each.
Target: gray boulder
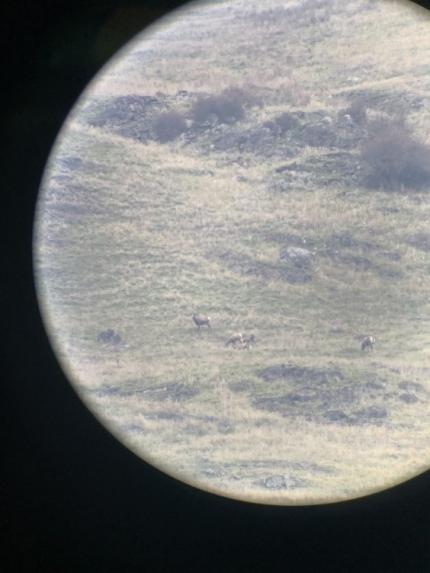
(297, 256)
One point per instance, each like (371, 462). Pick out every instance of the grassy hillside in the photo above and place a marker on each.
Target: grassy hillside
(222, 166)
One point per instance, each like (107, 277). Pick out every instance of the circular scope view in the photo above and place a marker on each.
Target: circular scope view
(232, 247)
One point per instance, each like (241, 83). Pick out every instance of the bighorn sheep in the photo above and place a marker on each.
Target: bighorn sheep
(201, 320)
(241, 341)
(248, 340)
(368, 343)
(235, 340)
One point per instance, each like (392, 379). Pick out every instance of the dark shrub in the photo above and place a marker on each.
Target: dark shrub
(393, 158)
(227, 107)
(282, 123)
(358, 112)
(286, 121)
(420, 241)
(109, 336)
(319, 136)
(168, 126)
(245, 95)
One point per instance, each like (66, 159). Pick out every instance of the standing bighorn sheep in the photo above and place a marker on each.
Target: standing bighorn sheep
(248, 340)
(201, 320)
(368, 343)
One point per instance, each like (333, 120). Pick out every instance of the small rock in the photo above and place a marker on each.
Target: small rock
(298, 255)
(280, 482)
(212, 472)
(109, 336)
(225, 427)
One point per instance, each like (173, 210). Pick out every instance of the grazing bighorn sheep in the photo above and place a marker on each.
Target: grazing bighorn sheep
(368, 343)
(248, 340)
(241, 341)
(201, 320)
(235, 340)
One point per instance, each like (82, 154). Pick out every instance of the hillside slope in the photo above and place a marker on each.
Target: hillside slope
(219, 167)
